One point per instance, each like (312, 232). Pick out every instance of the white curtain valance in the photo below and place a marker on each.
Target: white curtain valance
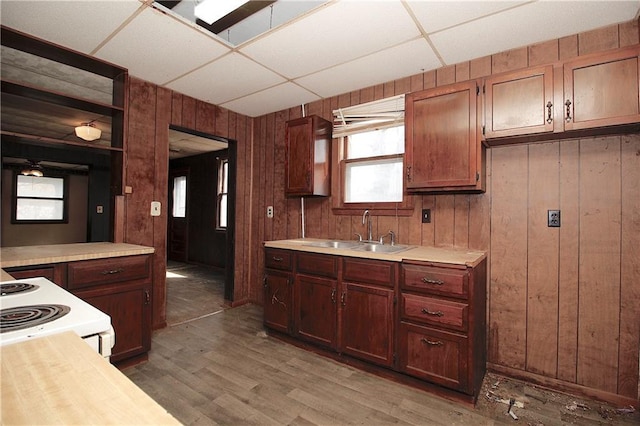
(388, 112)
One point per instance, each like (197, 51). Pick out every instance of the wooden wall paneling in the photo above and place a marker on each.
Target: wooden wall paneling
(568, 260)
(630, 274)
(510, 60)
(543, 53)
(188, 112)
(176, 108)
(357, 226)
(598, 40)
(461, 220)
(243, 283)
(629, 33)
(480, 214)
(378, 92)
(342, 228)
(428, 230)
(161, 192)
(507, 326)
(239, 238)
(205, 118)
(443, 217)
(568, 47)
(269, 174)
(140, 165)
(388, 89)
(258, 216)
(543, 252)
(410, 227)
(599, 302)
(315, 223)
(294, 224)
(480, 67)
(222, 122)
(416, 83)
(401, 86)
(429, 79)
(446, 75)
(386, 224)
(280, 215)
(463, 71)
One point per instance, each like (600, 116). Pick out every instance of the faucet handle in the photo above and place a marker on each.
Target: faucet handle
(359, 237)
(393, 237)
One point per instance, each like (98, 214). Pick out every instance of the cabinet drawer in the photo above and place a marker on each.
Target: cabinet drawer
(278, 259)
(435, 311)
(318, 264)
(435, 280)
(437, 356)
(89, 273)
(368, 271)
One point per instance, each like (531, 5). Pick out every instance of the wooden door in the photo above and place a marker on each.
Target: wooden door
(519, 103)
(178, 226)
(316, 309)
(277, 300)
(299, 156)
(602, 90)
(367, 322)
(442, 150)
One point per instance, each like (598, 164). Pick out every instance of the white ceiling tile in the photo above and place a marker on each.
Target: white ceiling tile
(528, 24)
(160, 48)
(407, 59)
(333, 34)
(229, 77)
(276, 98)
(437, 15)
(79, 25)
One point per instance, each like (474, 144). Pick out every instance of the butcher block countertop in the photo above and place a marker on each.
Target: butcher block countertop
(455, 256)
(59, 379)
(56, 253)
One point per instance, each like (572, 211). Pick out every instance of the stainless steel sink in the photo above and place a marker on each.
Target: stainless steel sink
(380, 248)
(334, 244)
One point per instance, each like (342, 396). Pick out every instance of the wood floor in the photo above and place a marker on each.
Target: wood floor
(223, 368)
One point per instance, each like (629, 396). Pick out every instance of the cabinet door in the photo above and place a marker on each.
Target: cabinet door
(442, 149)
(277, 300)
(307, 156)
(602, 90)
(130, 310)
(316, 309)
(519, 103)
(367, 322)
(437, 356)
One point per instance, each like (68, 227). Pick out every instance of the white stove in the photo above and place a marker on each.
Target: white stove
(36, 307)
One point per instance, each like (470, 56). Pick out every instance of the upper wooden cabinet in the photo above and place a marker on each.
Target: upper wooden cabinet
(519, 103)
(591, 94)
(602, 90)
(307, 156)
(443, 150)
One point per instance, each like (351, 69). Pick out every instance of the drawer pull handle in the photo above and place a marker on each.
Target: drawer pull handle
(568, 105)
(430, 281)
(434, 313)
(277, 259)
(333, 295)
(549, 107)
(112, 271)
(147, 297)
(342, 299)
(431, 342)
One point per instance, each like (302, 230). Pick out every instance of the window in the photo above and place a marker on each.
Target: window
(223, 188)
(179, 196)
(40, 199)
(371, 157)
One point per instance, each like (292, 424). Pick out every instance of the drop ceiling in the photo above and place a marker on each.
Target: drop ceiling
(334, 48)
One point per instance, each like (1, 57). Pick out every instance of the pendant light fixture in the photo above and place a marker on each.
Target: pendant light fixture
(88, 132)
(33, 169)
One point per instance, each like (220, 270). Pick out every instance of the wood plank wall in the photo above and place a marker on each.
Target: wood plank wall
(564, 302)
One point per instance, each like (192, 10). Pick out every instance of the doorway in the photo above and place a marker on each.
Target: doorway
(201, 202)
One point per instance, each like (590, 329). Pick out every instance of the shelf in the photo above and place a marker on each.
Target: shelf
(23, 137)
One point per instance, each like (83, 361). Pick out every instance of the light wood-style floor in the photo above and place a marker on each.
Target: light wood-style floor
(224, 369)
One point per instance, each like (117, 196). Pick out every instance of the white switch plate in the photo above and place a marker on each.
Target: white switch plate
(270, 212)
(99, 209)
(155, 208)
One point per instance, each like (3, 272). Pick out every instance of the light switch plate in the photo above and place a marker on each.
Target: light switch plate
(155, 208)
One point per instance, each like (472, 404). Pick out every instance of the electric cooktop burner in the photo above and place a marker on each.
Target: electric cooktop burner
(22, 317)
(15, 288)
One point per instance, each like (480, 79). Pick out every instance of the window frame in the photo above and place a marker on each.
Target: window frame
(220, 192)
(339, 207)
(65, 201)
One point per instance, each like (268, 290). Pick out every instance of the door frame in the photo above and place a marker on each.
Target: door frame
(229, 282)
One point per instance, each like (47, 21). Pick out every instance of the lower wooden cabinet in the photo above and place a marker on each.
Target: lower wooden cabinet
(414, 320)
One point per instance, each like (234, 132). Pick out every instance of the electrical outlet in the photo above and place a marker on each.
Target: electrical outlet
(155, 208)
(426, 215)
(99, 209)
(553, 218)
(270, 212)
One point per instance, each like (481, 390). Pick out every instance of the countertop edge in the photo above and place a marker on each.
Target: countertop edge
(446, 255)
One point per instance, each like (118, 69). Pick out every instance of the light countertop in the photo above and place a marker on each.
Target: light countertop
(59, 379)
(449, 255)
(57, 253)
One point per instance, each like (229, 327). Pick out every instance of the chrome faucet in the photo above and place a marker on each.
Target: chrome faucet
(366, 215)
(392, 235)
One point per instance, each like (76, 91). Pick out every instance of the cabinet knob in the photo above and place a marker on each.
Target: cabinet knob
(432, 281)
(426, 311)
(549, 111)
(568, 104)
